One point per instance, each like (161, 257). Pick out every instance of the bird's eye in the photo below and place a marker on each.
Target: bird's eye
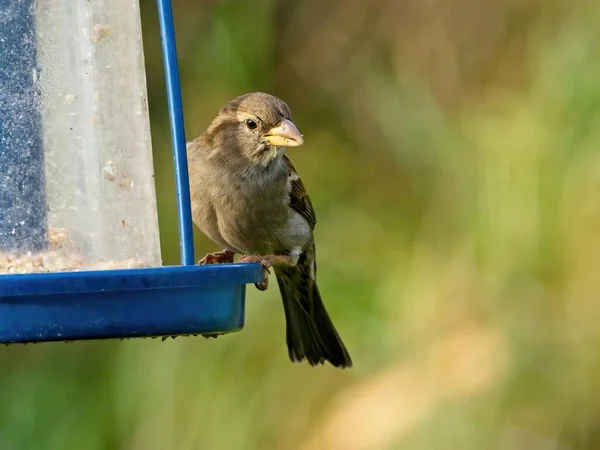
(251, 124)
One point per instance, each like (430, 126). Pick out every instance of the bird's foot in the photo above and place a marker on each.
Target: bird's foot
(222, 257)
(266, 262)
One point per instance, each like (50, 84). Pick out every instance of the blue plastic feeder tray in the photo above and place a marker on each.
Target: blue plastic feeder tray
(124, 303)
(75, 151)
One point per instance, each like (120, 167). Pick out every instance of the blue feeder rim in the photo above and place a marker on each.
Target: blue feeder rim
(161, 301)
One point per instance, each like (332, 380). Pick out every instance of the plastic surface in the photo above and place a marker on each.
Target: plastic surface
(76, 170)
(77, 188)
(124, 303)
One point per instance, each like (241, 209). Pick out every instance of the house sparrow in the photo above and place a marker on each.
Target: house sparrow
(248, 198)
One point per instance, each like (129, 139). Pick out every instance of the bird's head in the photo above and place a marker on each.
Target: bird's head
(256, 127)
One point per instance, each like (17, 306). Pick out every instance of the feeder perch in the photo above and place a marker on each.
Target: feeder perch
(79, 242)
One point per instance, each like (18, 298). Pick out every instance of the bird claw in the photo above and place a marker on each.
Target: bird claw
(264, 285)
(266, 262)
(221, 257)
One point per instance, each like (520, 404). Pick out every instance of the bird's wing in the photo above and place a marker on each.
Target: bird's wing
(299, 199)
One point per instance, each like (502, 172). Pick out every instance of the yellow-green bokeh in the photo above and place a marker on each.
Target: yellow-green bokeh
(453, 157)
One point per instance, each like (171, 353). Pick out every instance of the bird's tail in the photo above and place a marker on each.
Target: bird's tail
(310, 334)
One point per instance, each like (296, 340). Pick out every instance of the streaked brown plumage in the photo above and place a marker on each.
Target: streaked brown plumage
(249, 199)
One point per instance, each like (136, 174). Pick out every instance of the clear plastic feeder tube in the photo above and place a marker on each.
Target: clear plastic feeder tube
(77, 180)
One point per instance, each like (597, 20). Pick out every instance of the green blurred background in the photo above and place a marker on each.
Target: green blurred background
(452, 158)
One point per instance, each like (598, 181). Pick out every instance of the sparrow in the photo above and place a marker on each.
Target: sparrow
(248, 198)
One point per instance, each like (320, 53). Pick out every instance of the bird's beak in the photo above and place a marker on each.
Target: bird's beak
(284, 135)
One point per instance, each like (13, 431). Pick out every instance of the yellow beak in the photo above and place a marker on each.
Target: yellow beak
(284, 135)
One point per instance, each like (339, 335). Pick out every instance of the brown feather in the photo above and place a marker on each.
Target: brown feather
(299, 199)
(310, 333)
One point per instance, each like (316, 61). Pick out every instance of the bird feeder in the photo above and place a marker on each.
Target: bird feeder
(79, 241)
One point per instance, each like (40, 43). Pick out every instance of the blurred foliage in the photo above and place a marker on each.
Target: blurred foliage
(452, 157)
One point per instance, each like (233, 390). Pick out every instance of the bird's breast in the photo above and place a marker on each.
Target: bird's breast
(247, 214)
(253, 221)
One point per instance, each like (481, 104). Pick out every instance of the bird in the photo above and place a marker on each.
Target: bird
(248, 198)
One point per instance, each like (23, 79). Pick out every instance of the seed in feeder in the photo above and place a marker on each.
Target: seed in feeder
(100, 31)
(56, 259)
(57, 237)
(68, 99)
